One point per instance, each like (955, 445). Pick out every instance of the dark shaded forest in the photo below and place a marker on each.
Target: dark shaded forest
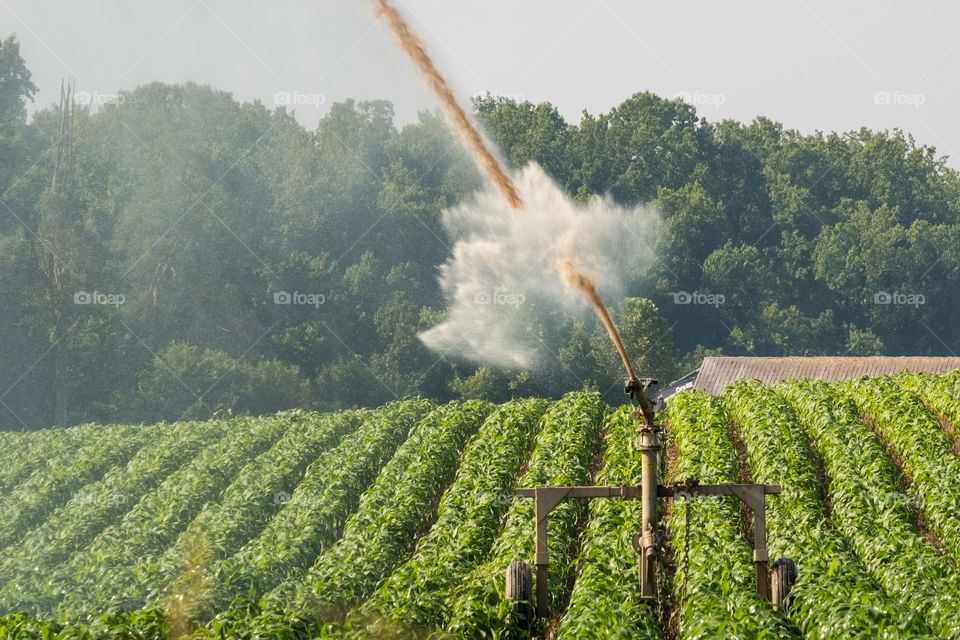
(176, 253)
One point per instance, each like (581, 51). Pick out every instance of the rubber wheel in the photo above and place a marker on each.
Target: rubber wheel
(520, 592)
(782, 577)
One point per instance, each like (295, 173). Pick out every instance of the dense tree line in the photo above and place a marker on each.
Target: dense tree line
(147, 249)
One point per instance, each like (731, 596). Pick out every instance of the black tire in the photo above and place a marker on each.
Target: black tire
(519, 591)
(782, 577)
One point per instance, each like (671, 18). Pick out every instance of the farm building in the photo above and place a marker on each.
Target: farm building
(717, 372)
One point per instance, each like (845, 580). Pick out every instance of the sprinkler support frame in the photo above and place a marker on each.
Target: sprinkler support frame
(547, 498)
(647, 541)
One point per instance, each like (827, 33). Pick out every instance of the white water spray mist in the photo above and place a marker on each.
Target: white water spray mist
(507, 271)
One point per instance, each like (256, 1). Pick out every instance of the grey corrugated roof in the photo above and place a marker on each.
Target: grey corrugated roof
(718, 372)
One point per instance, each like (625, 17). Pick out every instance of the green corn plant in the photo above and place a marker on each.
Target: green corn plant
(380, 533)
(149, 624)
(941, 393)
(562, 456)
(98, 579)
(869, 510)
(606, 594)
(834, 595)
(468, 518)
(318, 508)
(714, 583)
(254, 496)
(923, 448)
(28, 504)
(363, 503)
(96, 506)
(33, 450)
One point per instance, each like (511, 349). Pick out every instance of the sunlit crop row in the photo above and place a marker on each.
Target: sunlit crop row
(941, 393)
(871, 513)
(714, 582)
(391, 513)
(317, 509)
(253, 497)
(400, 521)
(23, 567)
(923, 448)
(104, 576)
(468, 518)
(23, 453)
(606, 594)
(834, 595)
(562, 457)
(57, 481)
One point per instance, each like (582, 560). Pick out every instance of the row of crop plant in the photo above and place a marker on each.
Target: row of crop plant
(375, 523)
(835, 596)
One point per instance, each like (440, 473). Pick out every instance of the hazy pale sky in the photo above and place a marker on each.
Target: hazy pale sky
(811, 64)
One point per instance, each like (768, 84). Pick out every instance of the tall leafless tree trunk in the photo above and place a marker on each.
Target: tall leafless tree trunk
(50, 237)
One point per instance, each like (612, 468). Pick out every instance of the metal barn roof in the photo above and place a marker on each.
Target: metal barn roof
(717, 372)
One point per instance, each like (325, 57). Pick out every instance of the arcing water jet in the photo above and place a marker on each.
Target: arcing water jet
(576, 279)
(413, 45)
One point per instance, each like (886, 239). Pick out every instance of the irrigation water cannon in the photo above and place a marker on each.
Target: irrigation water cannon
(648, 542)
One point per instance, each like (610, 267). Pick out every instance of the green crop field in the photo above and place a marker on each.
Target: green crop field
(399, 522)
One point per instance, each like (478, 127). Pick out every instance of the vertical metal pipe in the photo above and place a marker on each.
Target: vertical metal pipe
(648, 454)
(649, 445)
